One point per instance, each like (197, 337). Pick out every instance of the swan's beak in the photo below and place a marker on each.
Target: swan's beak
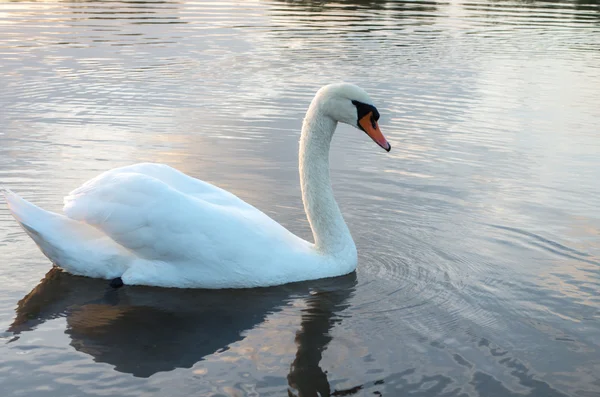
(369, 125)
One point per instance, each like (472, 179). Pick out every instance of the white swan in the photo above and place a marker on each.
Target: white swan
(149, 224)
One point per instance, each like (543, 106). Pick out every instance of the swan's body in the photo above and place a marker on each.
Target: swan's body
(150, 224)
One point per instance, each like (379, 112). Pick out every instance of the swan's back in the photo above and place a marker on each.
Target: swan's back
(173, 178)
(199, 232)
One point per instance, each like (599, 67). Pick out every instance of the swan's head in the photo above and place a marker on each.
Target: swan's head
(350, 104)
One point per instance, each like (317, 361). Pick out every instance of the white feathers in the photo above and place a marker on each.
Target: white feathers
(153, 225)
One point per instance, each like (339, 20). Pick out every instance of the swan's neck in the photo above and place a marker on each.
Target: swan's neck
(329, 229)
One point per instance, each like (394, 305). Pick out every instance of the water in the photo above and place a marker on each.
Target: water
(478, 234)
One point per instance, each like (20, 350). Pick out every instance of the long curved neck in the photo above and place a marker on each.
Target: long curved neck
(329, 229)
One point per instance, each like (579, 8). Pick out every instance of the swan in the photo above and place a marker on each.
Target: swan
(149, 224)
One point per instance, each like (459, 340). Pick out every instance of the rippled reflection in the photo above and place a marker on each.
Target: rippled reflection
(141, 330)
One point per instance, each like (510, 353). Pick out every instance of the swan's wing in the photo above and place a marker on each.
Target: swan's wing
(155, 221)
(176, 180)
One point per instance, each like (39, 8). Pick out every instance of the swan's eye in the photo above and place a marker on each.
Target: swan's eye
(363, 110)
(367, 122)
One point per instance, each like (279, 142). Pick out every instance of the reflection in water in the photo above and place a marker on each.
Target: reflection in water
(318, 319)
(142, 331)
(368, 6)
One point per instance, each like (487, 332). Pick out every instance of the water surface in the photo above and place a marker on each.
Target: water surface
(478, 234)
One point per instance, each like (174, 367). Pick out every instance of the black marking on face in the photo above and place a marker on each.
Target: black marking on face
(363, 109)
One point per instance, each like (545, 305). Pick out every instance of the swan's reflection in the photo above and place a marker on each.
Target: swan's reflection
(321, 314)
(144, 330)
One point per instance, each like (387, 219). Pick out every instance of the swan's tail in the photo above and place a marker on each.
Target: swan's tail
(26, 213)
(38, 223)
(75, 246)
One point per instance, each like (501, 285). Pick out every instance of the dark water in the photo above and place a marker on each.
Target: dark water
(478, 235)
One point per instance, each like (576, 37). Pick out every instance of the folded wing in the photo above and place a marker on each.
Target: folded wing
(156, 221)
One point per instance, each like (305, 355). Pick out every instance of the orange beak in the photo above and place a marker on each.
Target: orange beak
(369, 125)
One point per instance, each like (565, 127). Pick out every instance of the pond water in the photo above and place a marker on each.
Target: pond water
(478, 234)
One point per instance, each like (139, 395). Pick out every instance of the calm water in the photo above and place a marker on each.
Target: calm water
(478, 235)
